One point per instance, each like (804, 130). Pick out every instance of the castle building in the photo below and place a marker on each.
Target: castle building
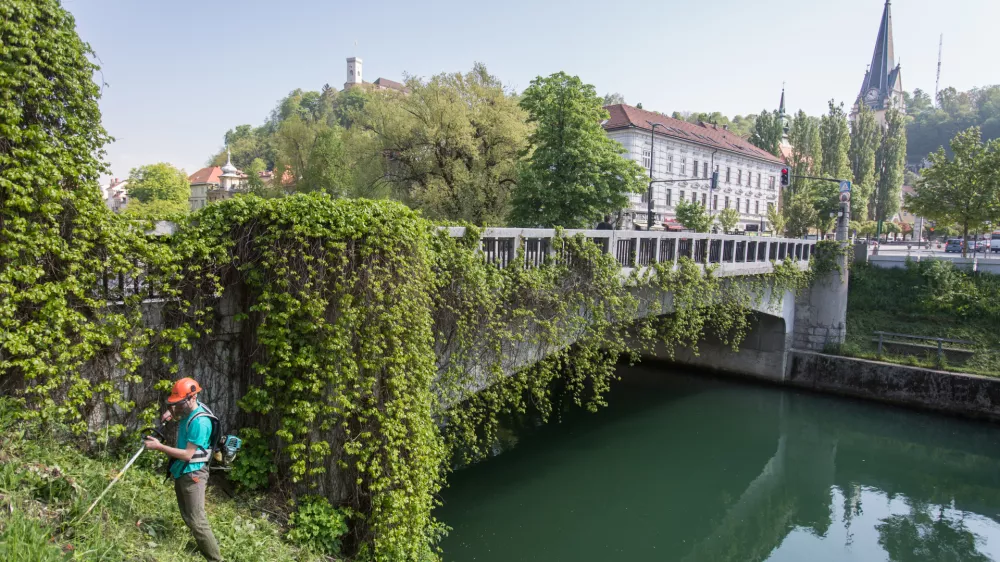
(355, 80)
(882, 88)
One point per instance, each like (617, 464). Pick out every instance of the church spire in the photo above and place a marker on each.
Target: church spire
(880, 80)
(781, 106)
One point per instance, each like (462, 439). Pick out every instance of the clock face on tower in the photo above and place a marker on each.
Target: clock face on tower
(872, 95)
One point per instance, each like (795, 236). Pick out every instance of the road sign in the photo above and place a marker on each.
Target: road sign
(845, 186)
(845, 197)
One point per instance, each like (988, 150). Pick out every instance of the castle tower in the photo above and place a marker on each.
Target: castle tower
(882, 87)
(353, 73)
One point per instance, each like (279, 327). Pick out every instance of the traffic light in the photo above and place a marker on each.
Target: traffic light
(784, 177)
(715, 179)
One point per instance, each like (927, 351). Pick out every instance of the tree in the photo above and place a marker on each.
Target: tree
(576, 173)
(776, 218)
(807, 155)
(450, 147)
(312, 152)
(728, 219)
(835, 141)
(800, 215)
(693, 216)
(932, 127)
(767, 132)
(890, 161)
(613, 98)
(256, 184)
(865, 135)
(158, 189)
(963, 190)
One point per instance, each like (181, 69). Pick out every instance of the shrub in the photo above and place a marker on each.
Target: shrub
(317, 525)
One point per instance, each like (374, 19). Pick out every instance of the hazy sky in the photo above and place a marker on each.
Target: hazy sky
(180, 73)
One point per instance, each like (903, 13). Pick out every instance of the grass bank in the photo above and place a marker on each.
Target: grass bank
(46, 485)
(931, 298)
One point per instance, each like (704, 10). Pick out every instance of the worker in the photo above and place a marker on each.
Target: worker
(189, 461)
(605, 224)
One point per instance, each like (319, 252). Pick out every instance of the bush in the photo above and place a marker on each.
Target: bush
(317, 525)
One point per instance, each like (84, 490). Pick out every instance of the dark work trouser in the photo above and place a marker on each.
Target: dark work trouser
(190, 490)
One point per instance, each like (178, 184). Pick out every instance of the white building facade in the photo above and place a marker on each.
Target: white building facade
(748, 176)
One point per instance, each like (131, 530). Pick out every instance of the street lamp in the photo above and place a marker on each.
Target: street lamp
(649, 195)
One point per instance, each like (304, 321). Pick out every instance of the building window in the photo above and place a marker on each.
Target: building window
(739, 177)
(668, 198)
(705, 170)
(684, 165)
(670, 163)
(727, 201)
(770, 207)
(644, 197)
(758, 180)
(647, 159)
(727, 173)
(694, 171)
(682, 196)
(756, 207)
(771, 183)
(694, 197)
(704, 200)
(715, 202)
(748, 207)
(737, 203)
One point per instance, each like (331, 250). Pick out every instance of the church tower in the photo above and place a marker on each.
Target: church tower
(883, 84)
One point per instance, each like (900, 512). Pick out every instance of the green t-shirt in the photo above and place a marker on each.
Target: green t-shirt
(199, 433)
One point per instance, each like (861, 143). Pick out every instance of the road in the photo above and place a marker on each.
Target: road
(935, 251)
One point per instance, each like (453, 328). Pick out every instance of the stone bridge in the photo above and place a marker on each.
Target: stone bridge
(810, 320)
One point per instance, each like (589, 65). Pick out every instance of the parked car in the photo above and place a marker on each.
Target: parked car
(981, 245)
(953, 245)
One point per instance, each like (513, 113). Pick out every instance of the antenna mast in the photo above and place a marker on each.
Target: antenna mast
(937, 83)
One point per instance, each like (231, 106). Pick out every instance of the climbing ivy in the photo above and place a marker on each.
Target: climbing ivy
(63, 257)
(827, 255)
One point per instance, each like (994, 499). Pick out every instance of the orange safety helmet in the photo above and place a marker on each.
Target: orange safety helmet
(183, 389)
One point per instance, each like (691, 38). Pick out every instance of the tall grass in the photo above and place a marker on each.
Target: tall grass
(46, 485)
(925, 299)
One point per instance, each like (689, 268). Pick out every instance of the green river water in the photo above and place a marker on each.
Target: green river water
(687, 467)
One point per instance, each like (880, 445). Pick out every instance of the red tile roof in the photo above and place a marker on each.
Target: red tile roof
(386, 83)
(624, 116)
(206, 175)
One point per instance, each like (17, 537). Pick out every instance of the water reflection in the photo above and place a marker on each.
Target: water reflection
(687, 468)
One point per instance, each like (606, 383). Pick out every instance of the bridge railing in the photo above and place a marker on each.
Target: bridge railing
(731, 254)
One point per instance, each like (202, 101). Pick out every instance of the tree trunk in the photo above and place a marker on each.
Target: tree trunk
(965, 236)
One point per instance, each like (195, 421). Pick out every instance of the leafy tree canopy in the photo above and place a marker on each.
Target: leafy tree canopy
(159, 182)
(450, 147)
(931, 128)
(693, 216)
(962, 190)
(576, 174)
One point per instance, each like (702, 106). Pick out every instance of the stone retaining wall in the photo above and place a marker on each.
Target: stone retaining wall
(955, 393)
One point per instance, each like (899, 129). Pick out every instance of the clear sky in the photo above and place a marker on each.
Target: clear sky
(179, 73)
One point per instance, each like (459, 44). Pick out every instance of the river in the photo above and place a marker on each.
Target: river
(688, 467)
